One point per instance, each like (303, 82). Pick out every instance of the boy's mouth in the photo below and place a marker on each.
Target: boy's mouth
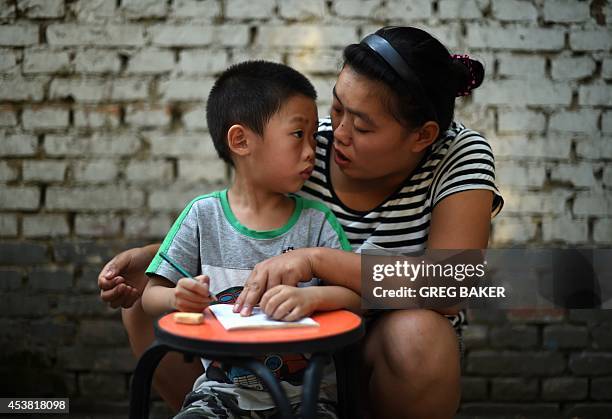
(307, 172)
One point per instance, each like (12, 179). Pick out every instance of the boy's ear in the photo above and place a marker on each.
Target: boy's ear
(426, 135)
(238, 140)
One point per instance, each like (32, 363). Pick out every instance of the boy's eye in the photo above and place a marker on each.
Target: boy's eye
(298, 134)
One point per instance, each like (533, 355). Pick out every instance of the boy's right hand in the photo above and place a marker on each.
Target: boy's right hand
(192, 296)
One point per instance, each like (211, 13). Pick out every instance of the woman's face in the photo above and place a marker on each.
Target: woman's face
(369, 143)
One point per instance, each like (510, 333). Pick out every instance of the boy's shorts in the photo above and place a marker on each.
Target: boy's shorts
(209, 403)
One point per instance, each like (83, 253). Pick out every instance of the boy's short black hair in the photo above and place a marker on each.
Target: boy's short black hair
(249, 93)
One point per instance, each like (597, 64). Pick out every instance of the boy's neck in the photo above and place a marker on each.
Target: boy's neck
(257, 208)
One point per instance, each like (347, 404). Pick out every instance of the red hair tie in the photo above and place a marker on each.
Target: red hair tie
(465, 59)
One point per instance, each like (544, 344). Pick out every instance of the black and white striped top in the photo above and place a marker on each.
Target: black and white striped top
(459, 161)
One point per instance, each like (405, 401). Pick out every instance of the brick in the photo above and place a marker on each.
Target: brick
(473, 388)
(201, 62)
(590, 410)
(195, 118)
(18, 35)
(97, 117)
(182, 145)
(563, 336)
(18, 89)
(606, 122)
(53, 332)
(121, 360)
(255, 53)
(520, 174)
(595, 94)
(45, 118)
(209, 170)
(525, 92)
(43, 279)
(322, 61)
(22, 253)
(302, 9)
(19, 198)
(564, 388)
(129, 89)
(540, 148)
(602, 231)
(95, 171)
(510, 410)
(589, 203)
(591, 363)
(565, 11)
(95, 145)
(606, 68)
(95, 61)
(515, 121)
(450, 9)
(8, 60)
(98, 199)
(514, 336)
(185, 89)
(181, 35)
(93, 10)
(80, 90)
(7, 116)
(101, 332)
(537, 315)
(87, 280)
(7, 9)
(8, 225)
(109, 386)
(590, 316)
(512, 10)
(521, 66)
(70, 34)
(175, 198)
(82, 251)
(602, 335)
(143, 8)
(594, 147)
(485, 362)
(575, 121)
(145, 226)
(565, 229)
(151, 61)
(26, 306)
(44, 170)
(508, 389)
(45, 225)
(601, 388)
(305, 36)
(196, 8)
(570, 68)
(525, 202)
(515, 38)
(578, 175)
(43, 61)
(149, 171)
(41, 8)
(416, 9)
(245, 9)
(10, 279)
(356, 8)
(97, 225)
(147, 116)
(8, 172)
(591, 40)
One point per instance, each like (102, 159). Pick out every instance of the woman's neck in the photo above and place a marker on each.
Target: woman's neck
(257, 208)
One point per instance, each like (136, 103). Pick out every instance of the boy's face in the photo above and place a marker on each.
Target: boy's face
(284, 158)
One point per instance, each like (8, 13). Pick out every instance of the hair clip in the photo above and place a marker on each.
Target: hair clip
(465, 59)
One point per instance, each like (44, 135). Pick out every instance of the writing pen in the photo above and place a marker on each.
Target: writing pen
(181, 270)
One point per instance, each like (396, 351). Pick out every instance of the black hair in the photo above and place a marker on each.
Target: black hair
(441, 76)
(250, 93)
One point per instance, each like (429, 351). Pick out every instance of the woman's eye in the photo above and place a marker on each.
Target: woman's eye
(298, 134)
(361, 131)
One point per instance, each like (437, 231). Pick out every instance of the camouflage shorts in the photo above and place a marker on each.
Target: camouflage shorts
(210, 403)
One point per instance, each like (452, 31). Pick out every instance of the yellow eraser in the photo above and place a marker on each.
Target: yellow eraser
(189, 318)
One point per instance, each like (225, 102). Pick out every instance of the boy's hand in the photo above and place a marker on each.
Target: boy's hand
(192, 296)
(284, 302)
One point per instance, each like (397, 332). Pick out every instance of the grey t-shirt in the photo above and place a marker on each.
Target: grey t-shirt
(208, 239)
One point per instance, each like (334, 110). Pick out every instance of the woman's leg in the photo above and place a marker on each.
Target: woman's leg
(412, 366)
(174, 377)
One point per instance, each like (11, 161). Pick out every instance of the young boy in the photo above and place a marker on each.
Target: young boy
(262, 119)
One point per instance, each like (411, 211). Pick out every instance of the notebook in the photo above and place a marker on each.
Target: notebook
(234, 321)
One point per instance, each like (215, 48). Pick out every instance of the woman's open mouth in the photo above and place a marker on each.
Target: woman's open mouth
(340, 158)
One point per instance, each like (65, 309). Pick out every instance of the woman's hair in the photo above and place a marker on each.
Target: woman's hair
(437, 75)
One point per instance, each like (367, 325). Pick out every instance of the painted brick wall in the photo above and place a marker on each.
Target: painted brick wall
(103, 139)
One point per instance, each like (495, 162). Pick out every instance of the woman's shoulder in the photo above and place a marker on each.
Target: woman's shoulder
(461, 140)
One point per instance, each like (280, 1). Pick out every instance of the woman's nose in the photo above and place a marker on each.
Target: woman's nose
(342, 134)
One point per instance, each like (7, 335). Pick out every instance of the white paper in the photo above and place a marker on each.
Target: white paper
(233, 321)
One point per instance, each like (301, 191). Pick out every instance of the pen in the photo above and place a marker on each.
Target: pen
(181, 270)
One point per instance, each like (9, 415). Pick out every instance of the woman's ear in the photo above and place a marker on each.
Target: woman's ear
(238, 140)
(426, 135)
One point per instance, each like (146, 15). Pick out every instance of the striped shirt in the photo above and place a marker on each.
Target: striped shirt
(460, 160)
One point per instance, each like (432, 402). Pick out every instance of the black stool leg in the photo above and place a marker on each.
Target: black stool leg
(312, 382)
(141, 380)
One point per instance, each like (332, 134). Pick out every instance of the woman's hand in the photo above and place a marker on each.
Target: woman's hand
(191, 296)
(287, 269)
(284, 302)
(122, 279)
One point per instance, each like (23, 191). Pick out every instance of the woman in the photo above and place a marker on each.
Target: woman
(399, 175)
